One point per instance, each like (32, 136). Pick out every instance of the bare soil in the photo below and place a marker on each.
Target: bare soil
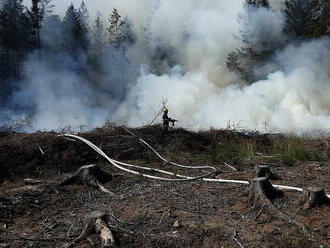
(152, 213)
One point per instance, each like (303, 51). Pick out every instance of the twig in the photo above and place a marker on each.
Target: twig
(112, 214)
(53, 239)
(260, 211)
(91, 242)
(68, 233)
(167, 161)
(235, 237)
(42, 152)
(160, 111)
(161, 219)
(231, 167)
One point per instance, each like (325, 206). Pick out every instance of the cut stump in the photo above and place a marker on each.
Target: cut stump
(313, 197)
(262, 192)
(265, 171)
(90, 175)
(96, 222)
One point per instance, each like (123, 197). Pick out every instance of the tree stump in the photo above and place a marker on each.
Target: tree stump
(96, 222)
(313, 197)
(265, 171)
(262, 192)
(90, 175)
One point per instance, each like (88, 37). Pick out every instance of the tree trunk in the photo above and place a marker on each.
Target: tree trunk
(96, 221)
(265, 171)
(90, 175)
(262, 192)
(313, 197)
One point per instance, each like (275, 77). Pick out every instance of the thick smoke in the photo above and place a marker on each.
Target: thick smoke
(180, 56)
(292, 99)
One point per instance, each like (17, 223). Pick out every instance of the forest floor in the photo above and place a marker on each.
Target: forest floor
(153, 213)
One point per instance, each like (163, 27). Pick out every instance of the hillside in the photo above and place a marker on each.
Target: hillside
(51, 211)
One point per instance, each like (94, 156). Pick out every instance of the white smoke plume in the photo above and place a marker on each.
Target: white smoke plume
(199, 89)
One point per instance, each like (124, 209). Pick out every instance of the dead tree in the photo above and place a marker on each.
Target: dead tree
(313, 197)
(90, 175)
(96, 222)
(262, 192)
(265, 171)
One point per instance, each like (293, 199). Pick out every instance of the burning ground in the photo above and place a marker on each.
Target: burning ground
(142, 212)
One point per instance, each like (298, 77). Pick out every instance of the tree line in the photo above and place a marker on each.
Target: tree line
(36, 30)
(303, 20)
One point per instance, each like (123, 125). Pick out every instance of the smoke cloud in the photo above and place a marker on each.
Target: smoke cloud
(180, 55)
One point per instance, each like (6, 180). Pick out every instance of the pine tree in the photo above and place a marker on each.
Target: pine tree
(120, 32)
(96, 52)
(75, 33)
(302, 17)
(257, 3)
(256, 47)
(15, 34)
(322, 27)
(37, 14)
(115, 29)
(83, 14)
(51, 31)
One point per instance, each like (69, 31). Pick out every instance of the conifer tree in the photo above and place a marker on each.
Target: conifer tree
(15, 34)
(120, 32)
(75, 33)
(37, 14)
(256, 49)
(302, 17)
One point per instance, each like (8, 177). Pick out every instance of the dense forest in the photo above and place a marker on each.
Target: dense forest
(32, 37)
(35, 31)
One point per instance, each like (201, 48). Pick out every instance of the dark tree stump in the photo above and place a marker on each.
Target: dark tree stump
(96, 222)
(90, 175)
(262, 192)
(313, 197)
(265, 171)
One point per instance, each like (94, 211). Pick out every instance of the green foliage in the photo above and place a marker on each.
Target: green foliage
(256, 48)
(257, 3)
(287, 150)
(302, 17)
(120, 31)
(75, 27)
(290, 150)
(15, 34)
(233, 152)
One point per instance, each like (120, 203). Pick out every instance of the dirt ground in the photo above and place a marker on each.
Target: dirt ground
(151, 213)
